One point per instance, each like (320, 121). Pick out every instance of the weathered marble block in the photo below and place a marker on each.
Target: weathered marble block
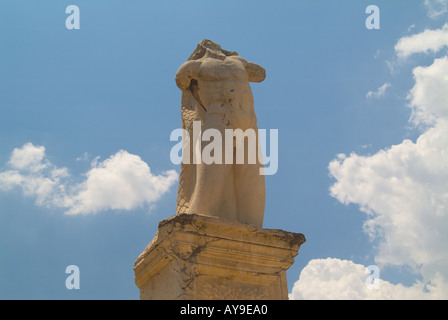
(202, 257)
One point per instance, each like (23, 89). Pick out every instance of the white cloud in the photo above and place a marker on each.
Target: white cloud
(429, 96)
(122, 182)
(436, 8)
(336, 279)
(380, 92)
(28, 157)
(84, 157)
(403, 190)
(424, 42)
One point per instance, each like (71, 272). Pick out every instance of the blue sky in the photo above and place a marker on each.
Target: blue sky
(75, 105)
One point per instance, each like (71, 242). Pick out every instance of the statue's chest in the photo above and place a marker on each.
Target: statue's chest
(213, 69)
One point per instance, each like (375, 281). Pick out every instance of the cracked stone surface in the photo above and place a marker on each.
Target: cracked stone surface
(201, 257)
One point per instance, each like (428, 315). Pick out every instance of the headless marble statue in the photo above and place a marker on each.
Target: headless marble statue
(216, 91)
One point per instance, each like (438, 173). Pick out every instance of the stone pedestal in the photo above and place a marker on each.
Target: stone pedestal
(201, 257)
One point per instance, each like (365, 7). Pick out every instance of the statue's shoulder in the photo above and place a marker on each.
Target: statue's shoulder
(186, 72)
(237, 58)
